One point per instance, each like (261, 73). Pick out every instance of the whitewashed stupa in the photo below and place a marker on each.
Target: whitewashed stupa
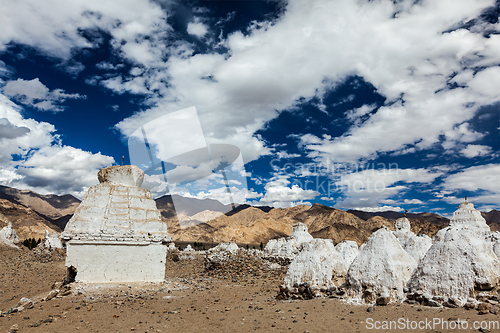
(8, 236)
(461, 262)
(416, 245)
(402, 230)
(318, 264)
(381, 270)
(52, 240)
(116, 234)
(288, 248)
(348, 250)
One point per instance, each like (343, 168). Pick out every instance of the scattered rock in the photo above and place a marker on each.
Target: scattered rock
(53, 293)
(383, 300)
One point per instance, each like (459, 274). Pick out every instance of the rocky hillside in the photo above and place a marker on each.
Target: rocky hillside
(493, 219)
(55, 209)
(32, 213)
(26, 222)
(205, 221)
(253, 225)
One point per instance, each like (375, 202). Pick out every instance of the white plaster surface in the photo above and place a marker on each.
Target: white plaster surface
(8, 236)
(461, 261)
(119, 261)
(403, 230)
(114, 211)
(382, 268)
(225, 247)
(52, 241)
(288, 248)
(348, 250)
(317, 264)
(300, 233)
(417, 246)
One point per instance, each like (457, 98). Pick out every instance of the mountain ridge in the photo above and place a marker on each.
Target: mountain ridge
(244, 224)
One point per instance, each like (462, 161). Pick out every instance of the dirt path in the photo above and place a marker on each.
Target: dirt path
(193, 301)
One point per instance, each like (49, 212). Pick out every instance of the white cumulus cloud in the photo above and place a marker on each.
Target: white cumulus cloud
(42, 163)
(197, 28)
(35, 94)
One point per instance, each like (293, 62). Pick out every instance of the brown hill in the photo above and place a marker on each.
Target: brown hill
(390, 215)
(26, 222)
(189, 206)
(493, 219)
(253, 225)
(57, 210)
(245, 224)
(339, 232)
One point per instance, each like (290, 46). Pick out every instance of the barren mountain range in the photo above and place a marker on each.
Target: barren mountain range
(203, 220)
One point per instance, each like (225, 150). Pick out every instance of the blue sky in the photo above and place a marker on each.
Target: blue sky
(372, 105)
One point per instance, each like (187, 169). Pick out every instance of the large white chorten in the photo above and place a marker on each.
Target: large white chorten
(116, 234)
(461, 262)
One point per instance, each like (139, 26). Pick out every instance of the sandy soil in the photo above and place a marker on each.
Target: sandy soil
(192, 300)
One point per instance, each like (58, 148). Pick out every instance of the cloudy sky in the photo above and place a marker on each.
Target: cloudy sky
(373, 105)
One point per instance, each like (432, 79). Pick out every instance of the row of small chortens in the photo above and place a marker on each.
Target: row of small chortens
(8, 236)
(459, 265)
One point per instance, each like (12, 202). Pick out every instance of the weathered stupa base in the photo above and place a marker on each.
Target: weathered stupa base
(117, 262)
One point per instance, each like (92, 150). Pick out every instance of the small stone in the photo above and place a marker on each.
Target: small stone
(14, 328)
(483, 306)
(383, 300)
(433, 303)
(494, 310)
(470, 305)
(370, 309)
(449, 304)
(51, 295)
(439, 299)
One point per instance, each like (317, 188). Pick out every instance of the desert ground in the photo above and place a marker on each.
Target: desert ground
(232, 299)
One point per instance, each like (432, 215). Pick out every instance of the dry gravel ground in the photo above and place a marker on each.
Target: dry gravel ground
(192, 300)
